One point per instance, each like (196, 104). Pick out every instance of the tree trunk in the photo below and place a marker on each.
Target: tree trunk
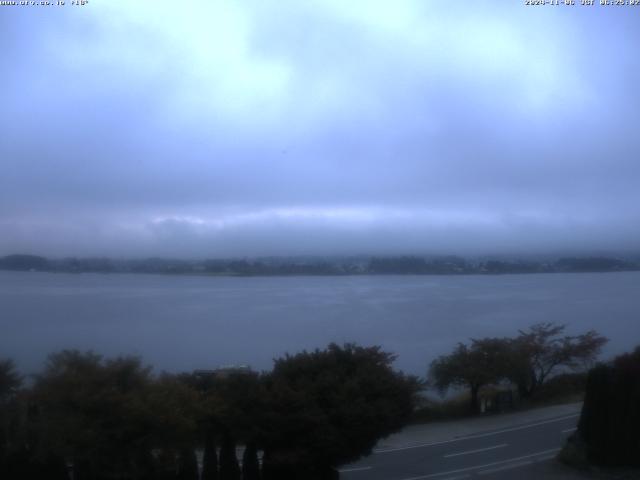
(475, 404)
(527, 384)
(523, 392)
(533, 385)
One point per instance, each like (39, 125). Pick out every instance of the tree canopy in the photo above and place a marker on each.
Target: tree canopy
(114, 418)
(483, 362)
(329, 407)
(10, 379)
(106, 416)
(527, 360)
(543, 349)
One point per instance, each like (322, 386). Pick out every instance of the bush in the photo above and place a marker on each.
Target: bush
(610, 419)
(330, 407)
(561, 388)
(433, 410)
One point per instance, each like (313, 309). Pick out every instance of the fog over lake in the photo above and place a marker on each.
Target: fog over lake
(187, 322)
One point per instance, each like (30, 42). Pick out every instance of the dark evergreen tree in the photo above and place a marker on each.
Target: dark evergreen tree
(166, 465)
(610, 419)
(229, 468)
(10, 382)
(210, 459)
(146, 467)
(281, 468)
(83, 469)
(52, 467)
(250, 463)
(24, 464)
(187, 465)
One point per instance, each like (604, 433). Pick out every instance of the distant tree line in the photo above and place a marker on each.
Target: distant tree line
(98, 418)
(403, 265)
(526, 361)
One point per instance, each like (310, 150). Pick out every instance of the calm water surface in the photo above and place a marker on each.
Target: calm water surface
(182, 322)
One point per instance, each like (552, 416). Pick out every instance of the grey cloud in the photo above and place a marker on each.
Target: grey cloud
(521, 136)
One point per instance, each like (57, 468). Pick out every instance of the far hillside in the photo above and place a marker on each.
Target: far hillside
(289, 266)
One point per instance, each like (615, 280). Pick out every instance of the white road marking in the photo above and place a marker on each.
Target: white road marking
(570, 430)
(354, 469)
(479, 435)
(478, 467)
(505, 467)
(475, 451)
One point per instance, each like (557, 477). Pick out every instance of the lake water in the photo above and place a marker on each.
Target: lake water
(187, 322)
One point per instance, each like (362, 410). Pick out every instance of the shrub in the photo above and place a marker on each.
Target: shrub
(610, 419)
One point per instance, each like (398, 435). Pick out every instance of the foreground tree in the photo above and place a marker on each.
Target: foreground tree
(543, 350)
(229, 467)
(106, 417)
(528, 360)
(329, 407)
(10, 382)
(209, 458)
(233, 403)
(250, 463)
(91, 412)
(483, 362)
(187, 465)
(608, 429)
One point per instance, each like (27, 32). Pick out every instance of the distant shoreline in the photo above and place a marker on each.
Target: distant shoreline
(323, 267)
(307, 275)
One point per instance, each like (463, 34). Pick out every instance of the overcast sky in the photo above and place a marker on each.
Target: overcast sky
(245, 128)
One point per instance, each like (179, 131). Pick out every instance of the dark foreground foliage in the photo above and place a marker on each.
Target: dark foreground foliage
(610, 419)
(98, 418)
(330, 407)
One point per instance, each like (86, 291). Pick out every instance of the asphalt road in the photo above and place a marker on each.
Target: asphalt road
(512, 452)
